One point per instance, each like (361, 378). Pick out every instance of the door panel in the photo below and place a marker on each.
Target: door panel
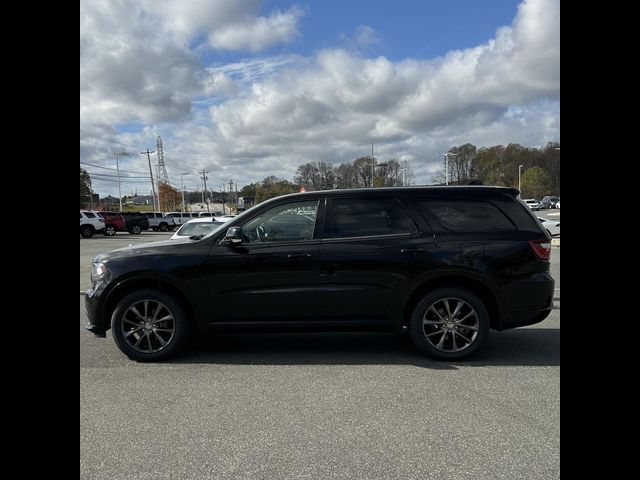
(370, 252)
(264, 282)
(273, 274)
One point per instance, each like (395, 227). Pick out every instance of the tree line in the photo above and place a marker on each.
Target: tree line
(539, 168)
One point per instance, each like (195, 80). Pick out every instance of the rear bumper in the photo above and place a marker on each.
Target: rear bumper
(528, 302)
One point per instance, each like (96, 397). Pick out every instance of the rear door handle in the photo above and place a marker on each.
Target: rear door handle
(299, 255)
(412, 250)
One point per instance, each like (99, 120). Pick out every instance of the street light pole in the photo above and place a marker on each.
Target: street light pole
(117, 155)
(184, 207)
(519, 176)
(446, 166)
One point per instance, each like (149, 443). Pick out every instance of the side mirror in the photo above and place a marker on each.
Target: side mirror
(234, 236)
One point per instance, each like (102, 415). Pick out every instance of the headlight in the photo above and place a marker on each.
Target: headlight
(98, 271)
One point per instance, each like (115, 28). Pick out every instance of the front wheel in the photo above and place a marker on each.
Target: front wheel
(164, 227)
(135, 230)
(149, 325)
(449, 324)
(109, 231)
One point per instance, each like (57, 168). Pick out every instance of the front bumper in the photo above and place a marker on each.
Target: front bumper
(96, 324)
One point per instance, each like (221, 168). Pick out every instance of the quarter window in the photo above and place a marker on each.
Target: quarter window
(463, 215)
(364, 217)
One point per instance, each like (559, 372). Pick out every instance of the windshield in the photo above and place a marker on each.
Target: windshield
(198, 228)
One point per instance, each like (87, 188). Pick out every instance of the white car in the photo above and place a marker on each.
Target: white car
(532, 203)
(224, 218)
(90, 222)
(551, 226)
(197, 226)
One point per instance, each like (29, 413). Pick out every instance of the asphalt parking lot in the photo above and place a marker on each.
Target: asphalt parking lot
(344, 406)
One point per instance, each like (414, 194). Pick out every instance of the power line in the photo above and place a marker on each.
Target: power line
(87, 132)
(107, 175)
(108, 168)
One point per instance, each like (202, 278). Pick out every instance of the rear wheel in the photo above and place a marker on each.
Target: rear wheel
(449, 323)
(149, 325)
(164, 227)
(109, 230)
(135, 230)
(86, 231)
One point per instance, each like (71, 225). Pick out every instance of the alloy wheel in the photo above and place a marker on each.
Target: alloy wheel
(148, 326)
(450, 324)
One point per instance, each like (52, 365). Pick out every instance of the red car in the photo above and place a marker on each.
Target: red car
(113, 222)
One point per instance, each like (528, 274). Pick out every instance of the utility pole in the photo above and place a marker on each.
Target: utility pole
(373, 167)
(204, 179)
(222, 193)
(153, 188)
(158, 180)
(230, 190)
(117, 155)
(184, 207)
(446, 166)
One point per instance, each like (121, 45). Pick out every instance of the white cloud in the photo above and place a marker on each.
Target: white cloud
(343, 101)
(259, 33)
(267, 115)
(136, 59)
(365, 36)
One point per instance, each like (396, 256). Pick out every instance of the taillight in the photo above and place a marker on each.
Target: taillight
(542, 249)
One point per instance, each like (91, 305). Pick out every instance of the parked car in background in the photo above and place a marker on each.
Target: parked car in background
(90, 222)
(159, 221)
(444, 262)
(197, 226)
(558, 205)
(182, 217)
(113, 222)
(135, 222)
(551, 226)
(549, 201)
(532, 203)
(225, 218)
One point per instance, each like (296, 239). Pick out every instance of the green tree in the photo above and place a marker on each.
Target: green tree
(536, 182)
(274, 187)
(85, 188)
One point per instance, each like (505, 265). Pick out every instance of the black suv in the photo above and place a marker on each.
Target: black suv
(136, 222)
(449, 263)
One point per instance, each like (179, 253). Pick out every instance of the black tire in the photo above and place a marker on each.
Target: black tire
(471, 332)
(86, 231)
(125, 338)
(109, 230)
(135, 230)
(164, 227)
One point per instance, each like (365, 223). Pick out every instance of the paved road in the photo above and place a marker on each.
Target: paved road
(343, 406)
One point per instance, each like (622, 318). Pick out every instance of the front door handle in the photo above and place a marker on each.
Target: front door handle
(299, 255)
(412, 250)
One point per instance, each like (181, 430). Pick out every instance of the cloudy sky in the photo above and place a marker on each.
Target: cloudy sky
(251, 88)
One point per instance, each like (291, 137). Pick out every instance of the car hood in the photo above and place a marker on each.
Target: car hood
(148, 248)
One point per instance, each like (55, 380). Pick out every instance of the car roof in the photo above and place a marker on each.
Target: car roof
(200, 220)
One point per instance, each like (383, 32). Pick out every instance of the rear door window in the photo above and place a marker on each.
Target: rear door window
(365, 217)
